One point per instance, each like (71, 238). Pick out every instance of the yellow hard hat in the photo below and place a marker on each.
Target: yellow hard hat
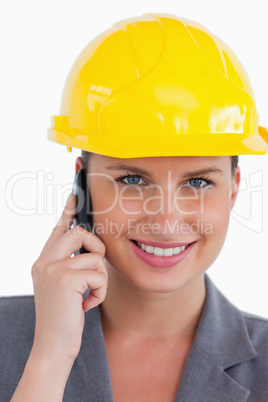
(158, 85)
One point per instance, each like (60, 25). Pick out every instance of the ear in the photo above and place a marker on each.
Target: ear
(78, 164)
(235, 187)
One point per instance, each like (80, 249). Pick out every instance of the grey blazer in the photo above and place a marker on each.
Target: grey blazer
(228, 361)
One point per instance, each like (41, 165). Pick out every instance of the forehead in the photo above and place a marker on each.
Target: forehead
(161, 163)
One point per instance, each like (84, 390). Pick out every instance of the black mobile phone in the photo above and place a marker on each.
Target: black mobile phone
(83, 216)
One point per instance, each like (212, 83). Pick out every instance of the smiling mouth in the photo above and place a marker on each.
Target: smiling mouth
(161, 252)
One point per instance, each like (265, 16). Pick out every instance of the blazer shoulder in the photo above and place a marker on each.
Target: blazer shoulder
(257, 327)
(17, 324)
(14, 300)
(16, 303)
(16, 313)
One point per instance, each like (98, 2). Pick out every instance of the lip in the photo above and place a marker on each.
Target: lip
(161, 262)
(161, 244)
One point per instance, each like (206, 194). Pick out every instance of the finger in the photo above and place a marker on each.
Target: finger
(96, 281)
(97, 294)
(93, 261)
(63, 224)
(73, 240)
(93, 300)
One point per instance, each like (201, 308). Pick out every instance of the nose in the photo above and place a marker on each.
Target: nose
(163, 214)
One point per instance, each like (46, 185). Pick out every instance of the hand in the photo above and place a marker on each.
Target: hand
(59, 284)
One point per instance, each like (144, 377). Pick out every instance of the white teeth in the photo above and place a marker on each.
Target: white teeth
(161, 252)
(158, 251)
(177, 250)
(168, 252)
(149, 249)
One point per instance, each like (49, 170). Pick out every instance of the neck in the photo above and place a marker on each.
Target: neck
(133, 312)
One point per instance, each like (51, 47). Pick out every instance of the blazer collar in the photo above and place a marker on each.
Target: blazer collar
(221, 341)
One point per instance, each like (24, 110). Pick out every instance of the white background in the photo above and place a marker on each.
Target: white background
(39, 43)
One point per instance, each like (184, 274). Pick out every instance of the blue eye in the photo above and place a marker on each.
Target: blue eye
(197, 181)
(132, 179)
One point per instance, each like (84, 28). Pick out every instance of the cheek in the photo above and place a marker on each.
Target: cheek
(131, 205)
(216, 214)
(213, 228)
(104, 198)
(112, 218)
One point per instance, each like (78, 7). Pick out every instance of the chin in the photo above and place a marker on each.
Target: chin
(161, 282)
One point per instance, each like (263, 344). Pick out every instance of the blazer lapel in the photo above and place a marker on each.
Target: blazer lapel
(204, 380)
(221, 342)
(90, 380)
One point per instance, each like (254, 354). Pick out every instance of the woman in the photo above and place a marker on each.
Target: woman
(159, 155)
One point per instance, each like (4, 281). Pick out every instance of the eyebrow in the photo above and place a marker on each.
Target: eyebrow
(138, 170)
